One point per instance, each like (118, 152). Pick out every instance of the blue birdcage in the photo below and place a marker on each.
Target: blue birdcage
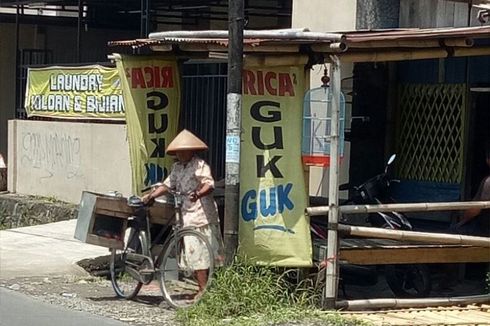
(317, 113)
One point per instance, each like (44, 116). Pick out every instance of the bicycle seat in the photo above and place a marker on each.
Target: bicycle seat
(135, 201)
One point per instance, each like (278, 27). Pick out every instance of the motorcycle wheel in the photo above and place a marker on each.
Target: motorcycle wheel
(409, 281)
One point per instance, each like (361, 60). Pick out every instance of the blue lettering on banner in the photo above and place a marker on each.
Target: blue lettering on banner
(282, 197)
(154, 173)
(271, 210)
(274, 227)
(278, 198)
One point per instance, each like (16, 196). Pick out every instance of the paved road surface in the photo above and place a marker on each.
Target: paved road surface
(17, 309)
(43, 250)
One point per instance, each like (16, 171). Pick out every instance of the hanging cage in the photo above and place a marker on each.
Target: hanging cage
(317, 113)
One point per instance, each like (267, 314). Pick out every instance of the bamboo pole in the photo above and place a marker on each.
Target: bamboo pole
(286, 48)
(402, 207)
(410, 303)
(331, 280)
(465, 42)
(303, 34)
(334, 47)
(474, 51)
(403, 235)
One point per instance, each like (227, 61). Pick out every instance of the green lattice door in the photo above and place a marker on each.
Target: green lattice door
(430, 137)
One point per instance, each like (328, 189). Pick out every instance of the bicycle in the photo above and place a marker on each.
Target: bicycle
(135, 265)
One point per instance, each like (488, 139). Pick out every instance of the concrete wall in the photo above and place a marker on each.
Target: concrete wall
(328, 16)
(436, 13)
(61, 41)
(378, 14)
(61, 159)
(325, 15)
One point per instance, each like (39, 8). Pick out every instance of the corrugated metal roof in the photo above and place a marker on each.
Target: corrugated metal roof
(412, 34)
(350, 40)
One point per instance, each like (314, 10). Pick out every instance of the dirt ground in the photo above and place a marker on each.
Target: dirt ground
(95, 295)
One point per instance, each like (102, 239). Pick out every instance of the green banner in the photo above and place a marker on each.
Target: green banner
(151, 91)
(85, 92)
(273, 227)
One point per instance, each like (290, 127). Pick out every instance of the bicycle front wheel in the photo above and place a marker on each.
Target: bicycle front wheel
(186, 268)
(124, 283)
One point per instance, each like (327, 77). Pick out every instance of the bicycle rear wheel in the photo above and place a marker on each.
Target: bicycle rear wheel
(186, 268)
(124, 283)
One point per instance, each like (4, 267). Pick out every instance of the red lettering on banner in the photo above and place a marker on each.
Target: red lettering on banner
(249, 82)
(149, 76)
(269, 83)
(260, 85)
(285, 85)
(268, 78)
(167, 81)
(152, 77)
(137, 78)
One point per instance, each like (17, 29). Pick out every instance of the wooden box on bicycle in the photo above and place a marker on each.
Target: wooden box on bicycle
(102, 219)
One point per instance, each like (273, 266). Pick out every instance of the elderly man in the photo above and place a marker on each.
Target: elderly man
(192, 176)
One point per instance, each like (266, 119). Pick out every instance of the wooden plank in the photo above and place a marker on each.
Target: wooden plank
(111, 213)
(104, 242)
(415, 255)
(118, 204)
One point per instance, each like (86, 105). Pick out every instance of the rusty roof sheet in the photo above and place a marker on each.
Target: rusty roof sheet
(352, 39)
(415, 33)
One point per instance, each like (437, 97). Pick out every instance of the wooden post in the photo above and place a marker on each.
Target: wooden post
(233, 130)
(331, 280)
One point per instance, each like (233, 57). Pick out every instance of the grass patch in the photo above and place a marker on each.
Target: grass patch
(246, 294)
(47, 199)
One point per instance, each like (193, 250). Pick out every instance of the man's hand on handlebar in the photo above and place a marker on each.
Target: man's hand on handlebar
(148, 199)
(157, 190)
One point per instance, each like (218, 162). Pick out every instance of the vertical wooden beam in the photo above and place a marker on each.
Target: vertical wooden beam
(233, 129)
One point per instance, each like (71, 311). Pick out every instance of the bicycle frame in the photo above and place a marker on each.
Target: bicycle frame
(142, 217)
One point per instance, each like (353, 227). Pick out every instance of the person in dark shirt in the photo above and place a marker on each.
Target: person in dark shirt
(476, 221)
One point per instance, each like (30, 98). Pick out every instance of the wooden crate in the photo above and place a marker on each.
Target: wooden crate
(162, 211)
(102, 220)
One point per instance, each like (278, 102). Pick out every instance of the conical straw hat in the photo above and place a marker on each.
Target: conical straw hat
(186, 141)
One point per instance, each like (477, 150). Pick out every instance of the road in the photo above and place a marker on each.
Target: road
(17, 309)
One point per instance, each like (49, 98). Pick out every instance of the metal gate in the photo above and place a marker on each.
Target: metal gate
(431, 132)
(204, 109)
(28, 58)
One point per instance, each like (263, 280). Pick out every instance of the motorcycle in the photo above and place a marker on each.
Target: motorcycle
(404, 280)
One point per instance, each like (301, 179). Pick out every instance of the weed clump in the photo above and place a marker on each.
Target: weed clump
(247, 294)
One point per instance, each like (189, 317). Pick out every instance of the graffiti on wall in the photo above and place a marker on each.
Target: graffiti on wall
(53, 153)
